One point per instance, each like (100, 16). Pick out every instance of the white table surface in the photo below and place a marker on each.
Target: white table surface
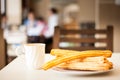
(17, 70)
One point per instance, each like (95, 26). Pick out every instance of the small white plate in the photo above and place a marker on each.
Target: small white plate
(79, 72)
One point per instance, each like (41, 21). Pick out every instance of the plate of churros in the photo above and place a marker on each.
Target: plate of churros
(80, 62)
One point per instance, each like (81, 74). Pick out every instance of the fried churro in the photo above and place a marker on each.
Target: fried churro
(62, 52)
(72, 55)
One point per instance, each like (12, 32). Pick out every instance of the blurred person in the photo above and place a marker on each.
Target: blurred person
(4, 25)
(43, 27)
(52, 23)
(42, 24)
(4, 21)
(24, 13)
(33, 29)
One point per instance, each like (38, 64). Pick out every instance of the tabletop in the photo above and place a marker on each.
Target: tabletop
(17, 70)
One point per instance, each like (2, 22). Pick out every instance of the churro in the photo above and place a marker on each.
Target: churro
(76, 55)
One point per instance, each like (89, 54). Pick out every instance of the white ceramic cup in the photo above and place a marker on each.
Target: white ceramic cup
(34, 54)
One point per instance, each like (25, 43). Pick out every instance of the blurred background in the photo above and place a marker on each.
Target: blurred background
(33, 21)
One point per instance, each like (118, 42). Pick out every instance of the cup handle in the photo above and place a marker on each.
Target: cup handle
(19, 51)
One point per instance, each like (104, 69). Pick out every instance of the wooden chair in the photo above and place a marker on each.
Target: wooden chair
(60, 32)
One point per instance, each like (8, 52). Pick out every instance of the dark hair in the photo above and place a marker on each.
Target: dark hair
(40, 18)
(54, 11)
(31, 11)
(3, 15)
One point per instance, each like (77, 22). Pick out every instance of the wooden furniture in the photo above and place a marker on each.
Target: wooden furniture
(2, 50)
(60, 36)
(2, 46)
(17, 70)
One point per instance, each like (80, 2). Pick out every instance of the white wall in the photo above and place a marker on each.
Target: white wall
(14, 11)
(87, 10)
(41, 8)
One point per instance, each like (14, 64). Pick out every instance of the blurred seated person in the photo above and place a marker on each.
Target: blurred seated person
(4, 25)
(15, 35)
(33, 28)
(43, 27)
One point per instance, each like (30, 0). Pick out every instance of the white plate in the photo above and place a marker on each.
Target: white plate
(79, 72)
